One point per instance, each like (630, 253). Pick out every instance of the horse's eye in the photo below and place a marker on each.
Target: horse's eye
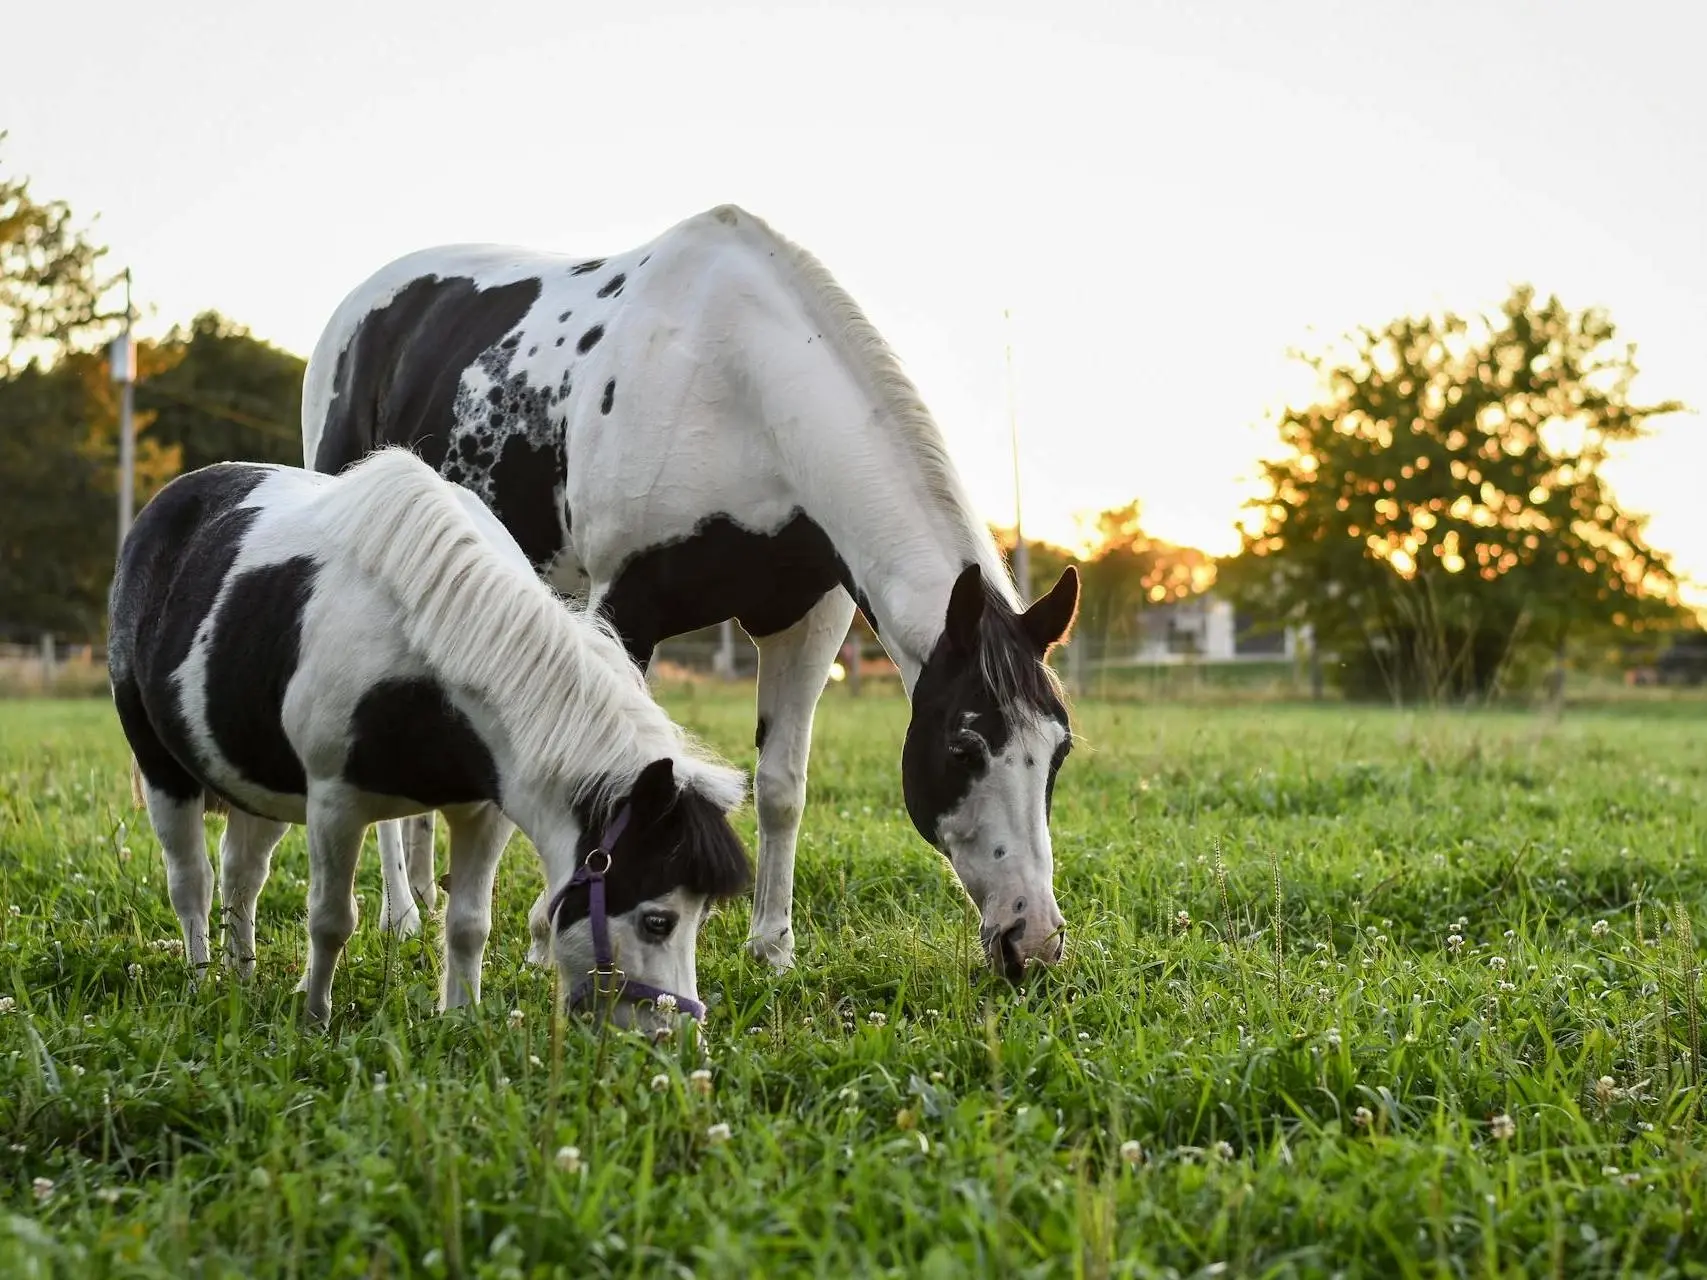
(658, 925)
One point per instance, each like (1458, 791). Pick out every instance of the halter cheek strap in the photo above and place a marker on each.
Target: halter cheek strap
(605, 981)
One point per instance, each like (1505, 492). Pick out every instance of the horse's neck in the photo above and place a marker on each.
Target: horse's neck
(862, 476)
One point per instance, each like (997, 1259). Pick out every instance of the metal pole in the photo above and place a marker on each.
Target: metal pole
(124, 373)
(1022, 554)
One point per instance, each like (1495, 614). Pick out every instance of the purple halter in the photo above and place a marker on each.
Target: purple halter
(605, 981)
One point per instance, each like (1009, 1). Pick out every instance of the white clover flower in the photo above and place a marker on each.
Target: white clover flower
(1454, 942)
(1363, 1117)
(660, 1082)
(15, 909)
(8, 1003)
(1132, 1151)
(533, 1060)
(848, 1094)
(1333, 1038)
(877, 1018)
(937, 1077)
(1508, 986)
(172, 946)
(108, 1195)
(718, 1134)
(1224, 1149)
(1182, 920)
(1510, 934)
(1462, 923)
(1084, 1035)
(134, 970)
(665, 1003)
(1605, 1089)
(43, 1189)
(1502, 1128)
(569, 1159)
(1599, 928)
(1609, 1171)
(700, 1082)
(517, 1017)
(1496, 962)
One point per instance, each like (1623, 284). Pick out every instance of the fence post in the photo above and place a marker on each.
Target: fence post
(723, 662)
(48, 674)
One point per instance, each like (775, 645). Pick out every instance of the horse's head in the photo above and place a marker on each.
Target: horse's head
(988, 734)
(666, 854)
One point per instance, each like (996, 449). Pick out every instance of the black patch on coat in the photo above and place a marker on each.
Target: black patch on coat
(610, 396)
(397, 378)
(674, 839)
(761, 733)
(590, 339)
(768, 581)
(408, 740)
(613, 286)
(587, 268)
(173, 563)
(525, 488)
(256, 644)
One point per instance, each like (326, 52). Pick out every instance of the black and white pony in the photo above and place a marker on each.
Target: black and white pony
(340, 651)
(707, 427)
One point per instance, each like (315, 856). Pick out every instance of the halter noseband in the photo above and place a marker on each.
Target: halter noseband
(604, 981)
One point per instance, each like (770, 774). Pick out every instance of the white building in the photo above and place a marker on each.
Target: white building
(1207, 628)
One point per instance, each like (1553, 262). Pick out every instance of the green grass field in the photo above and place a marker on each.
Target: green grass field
(1393, 1036)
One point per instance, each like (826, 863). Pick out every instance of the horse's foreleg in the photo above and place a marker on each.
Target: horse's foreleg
(398, 912)
(245, 858)
(418, 855)
(793, 665)
(478, 834)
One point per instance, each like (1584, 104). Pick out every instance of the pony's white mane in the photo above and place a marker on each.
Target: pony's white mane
(860, 340)
(557, 677)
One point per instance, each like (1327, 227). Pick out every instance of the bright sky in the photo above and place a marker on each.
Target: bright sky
(1167, 196)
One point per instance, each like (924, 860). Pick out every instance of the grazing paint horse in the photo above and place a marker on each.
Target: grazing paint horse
(347, 650)
(707, 427)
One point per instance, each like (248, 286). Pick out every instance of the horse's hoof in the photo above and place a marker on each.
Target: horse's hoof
(776, 951)
(407, 927)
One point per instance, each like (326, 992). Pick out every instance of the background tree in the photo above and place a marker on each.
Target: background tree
(59, 519)
(221, 395)
(50, 285)
(1441, 511)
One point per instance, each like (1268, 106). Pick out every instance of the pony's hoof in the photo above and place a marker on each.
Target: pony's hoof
(776, 950)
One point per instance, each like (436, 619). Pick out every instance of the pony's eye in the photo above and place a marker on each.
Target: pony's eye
(657, 925)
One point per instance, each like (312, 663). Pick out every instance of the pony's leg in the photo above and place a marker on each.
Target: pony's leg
(334, 844)
(245, 858)
(478, 834)
(793, 665)
(398, 913)
(189, 874)
(418, 853)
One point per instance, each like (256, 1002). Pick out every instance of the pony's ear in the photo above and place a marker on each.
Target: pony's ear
(1049, 619)
(965, 611)
(654, 791)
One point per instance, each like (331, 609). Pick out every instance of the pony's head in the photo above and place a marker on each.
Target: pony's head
(988, 735)
(663, 854)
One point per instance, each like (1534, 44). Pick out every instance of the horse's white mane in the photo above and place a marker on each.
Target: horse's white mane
(558, 678)
(917, 429)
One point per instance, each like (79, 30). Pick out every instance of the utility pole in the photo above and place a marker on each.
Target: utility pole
(122, 356)
(1022, 554)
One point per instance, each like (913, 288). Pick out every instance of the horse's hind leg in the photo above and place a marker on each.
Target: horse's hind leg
(399, 913)
(334, 844)
(245, 858)
(478, 834)
(189, 874)
(793, 666)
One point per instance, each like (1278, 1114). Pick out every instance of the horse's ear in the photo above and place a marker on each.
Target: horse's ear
(654, 791)
(965, 611)
(1049, 619)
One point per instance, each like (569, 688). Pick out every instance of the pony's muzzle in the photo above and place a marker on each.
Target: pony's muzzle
(1011, 948)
